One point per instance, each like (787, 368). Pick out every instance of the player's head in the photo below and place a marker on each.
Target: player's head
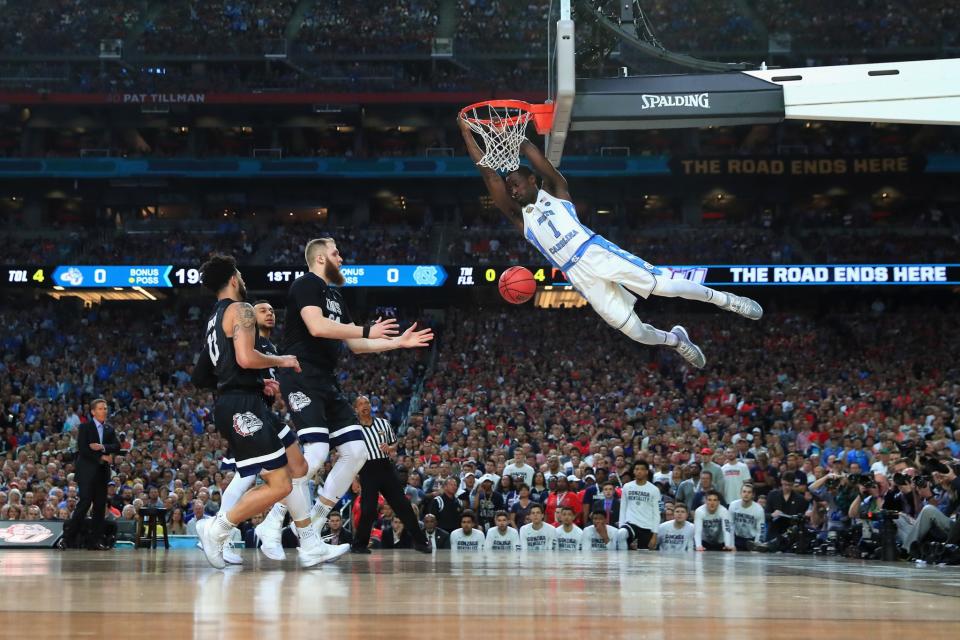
(641, 470)
(712, 500)
(680, 512)
(522, 185)
(467, 521)
(746, 493)
(266, 318)
(362, 406)
(599, 519)
(323, 258)
(536, 514)
(502, 520)
(566, 515)
(220, 274)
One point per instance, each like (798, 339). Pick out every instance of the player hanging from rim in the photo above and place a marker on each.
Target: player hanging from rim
(603, 273)
(317, 324)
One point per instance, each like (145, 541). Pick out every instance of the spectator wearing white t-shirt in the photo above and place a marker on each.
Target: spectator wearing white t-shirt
(568, 534)
(519, 470)
(502, 537)
(467, 539)
(601, 537)
(735, 474)
(676, 536)
(537, 535)
(748, 518)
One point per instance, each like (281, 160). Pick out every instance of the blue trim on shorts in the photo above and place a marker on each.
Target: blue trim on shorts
(626, 255)
(349, 436)
(227, 464)
(307, 438)
(575, 258)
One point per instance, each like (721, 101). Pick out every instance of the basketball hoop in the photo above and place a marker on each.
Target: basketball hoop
(502, 124)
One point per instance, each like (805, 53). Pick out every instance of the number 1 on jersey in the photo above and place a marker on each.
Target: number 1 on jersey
(546, 218)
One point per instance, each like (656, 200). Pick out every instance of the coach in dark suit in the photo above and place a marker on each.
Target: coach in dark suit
(96, 444)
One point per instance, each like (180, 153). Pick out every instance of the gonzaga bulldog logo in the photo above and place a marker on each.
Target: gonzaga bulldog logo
(25, 533)
(298, 400)
(246, 424)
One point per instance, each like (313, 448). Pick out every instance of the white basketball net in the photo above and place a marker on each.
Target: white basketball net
(503, 130)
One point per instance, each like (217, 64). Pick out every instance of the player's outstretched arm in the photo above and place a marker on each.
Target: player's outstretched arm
(495, 185)
(320, 326)
(553, 180)
(410, 339)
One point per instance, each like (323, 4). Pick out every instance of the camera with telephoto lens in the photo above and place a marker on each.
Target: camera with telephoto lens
(864, 480)
(833, 484)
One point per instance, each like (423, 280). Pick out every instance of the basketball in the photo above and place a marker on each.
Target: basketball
(517, 285)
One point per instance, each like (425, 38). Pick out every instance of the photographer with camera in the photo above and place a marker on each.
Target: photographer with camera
(785, 503)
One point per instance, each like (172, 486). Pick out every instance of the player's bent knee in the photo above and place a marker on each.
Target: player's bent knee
(297, 466)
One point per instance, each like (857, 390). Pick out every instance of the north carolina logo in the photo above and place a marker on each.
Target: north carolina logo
(298, 401)
(425, 276)
(246, 424)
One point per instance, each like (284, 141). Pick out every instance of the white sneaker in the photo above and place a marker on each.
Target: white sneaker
(312, 551)
(270, 541)
(335, 551)
(230, 556)
(687, 350)
(743, 306)
(211, 545)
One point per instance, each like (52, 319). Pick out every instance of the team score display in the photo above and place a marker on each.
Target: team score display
(23, 276)
(543, 275)
(187, 276)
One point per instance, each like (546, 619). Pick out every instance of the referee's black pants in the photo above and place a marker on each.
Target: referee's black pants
(380, 477)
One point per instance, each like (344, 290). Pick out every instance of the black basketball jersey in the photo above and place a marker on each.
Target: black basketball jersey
(309, 290)
(230, 375)
(266, 347)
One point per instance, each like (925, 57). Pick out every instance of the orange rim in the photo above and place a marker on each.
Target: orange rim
(542, 114)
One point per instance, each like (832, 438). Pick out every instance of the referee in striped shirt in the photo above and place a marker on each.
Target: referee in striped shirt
(379, 476)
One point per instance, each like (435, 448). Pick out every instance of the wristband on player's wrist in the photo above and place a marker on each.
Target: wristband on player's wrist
(366, 331)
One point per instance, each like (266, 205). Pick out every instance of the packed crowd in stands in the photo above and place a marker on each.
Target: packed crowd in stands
(224, 26)
(794, 399)
(347, 26)
(383, 245)
(879, 24)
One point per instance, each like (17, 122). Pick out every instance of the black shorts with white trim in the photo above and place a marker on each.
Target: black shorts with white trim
(320, 410)
(253, 431)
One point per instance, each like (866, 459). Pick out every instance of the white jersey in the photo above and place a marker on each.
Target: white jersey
(461, 542)
(747, 522)
(552, 226)
(616, 540)
(569, 540)
(542, 539)
(673, 540)
(510, 541)
(640, 505)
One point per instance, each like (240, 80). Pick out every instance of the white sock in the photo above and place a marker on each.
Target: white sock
(643, 333)
(320, 513)
(274, 519)
(221, 526)
(306, 534)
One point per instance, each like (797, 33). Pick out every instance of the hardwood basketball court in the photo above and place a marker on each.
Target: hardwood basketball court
(401, 594)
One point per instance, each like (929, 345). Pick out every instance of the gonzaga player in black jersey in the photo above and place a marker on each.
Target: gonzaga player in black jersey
(317, 324)
(241, 415)
(603, 273)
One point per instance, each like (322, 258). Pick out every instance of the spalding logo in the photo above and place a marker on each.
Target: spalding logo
(696, 100)
(246, 424)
